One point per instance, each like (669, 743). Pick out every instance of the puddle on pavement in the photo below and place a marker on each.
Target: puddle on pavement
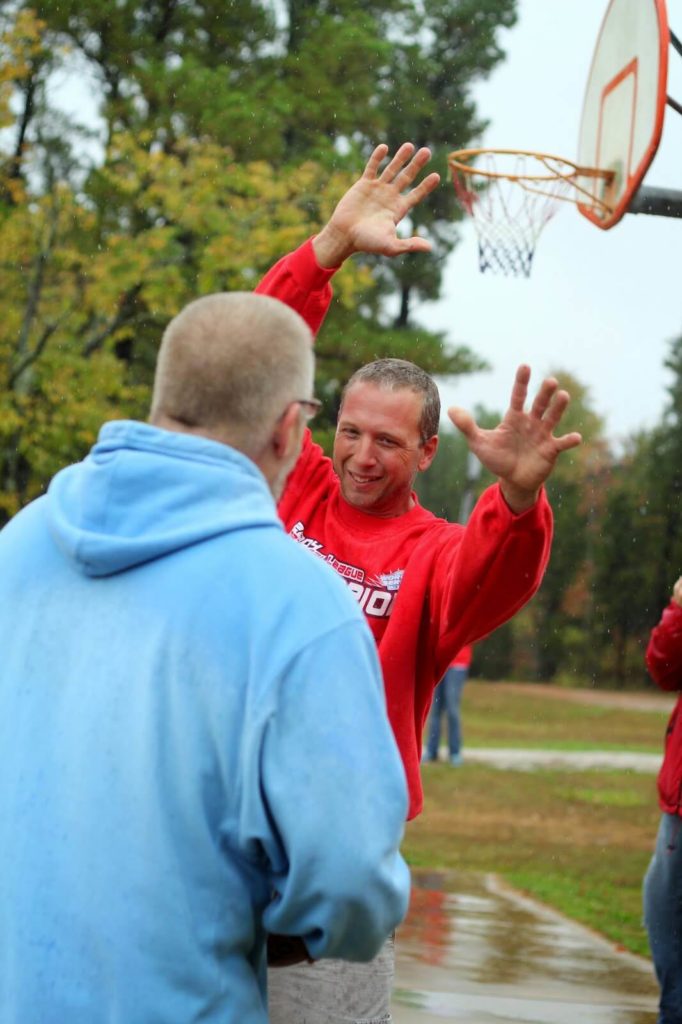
(474, 951)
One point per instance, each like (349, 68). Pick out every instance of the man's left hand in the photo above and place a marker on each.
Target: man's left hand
(366, 217)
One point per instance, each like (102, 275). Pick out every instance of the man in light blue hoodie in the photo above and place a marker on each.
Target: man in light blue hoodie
(195, 749)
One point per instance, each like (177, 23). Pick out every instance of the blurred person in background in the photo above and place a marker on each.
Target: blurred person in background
(447, 700)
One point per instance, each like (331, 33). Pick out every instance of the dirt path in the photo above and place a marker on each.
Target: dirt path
(632, 701)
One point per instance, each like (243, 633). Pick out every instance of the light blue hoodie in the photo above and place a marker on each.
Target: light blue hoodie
(193, 745)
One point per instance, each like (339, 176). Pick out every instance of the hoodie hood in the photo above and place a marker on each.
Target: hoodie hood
(143, 493)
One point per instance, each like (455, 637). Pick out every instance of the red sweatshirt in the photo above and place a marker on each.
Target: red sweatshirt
(427, 587)
(463, 658)
(664, 661)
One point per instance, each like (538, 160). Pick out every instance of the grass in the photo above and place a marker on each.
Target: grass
(498, 715)
(579, 841)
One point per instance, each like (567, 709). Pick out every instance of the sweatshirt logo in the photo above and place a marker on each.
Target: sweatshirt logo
(391, 580)
(375, 596)
(307, 542)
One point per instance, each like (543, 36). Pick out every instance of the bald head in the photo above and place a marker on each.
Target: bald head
(228, 365)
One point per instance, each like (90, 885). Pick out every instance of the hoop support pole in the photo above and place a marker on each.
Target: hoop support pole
(659, 202)
(676, 42)
(674, 104)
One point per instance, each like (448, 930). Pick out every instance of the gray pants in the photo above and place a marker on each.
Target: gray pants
(333, 991)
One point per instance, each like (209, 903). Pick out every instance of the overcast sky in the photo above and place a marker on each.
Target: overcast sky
(601, 304)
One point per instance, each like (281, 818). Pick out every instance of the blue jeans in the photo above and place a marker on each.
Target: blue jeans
(447, 698)
(663, 916)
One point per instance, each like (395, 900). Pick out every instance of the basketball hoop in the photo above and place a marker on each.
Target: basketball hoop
(518, 193)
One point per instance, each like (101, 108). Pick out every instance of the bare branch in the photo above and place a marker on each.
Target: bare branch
(36, 351)
(123, 315)
(24, 353)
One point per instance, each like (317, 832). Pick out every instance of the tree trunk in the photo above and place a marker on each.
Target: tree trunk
(403, 316)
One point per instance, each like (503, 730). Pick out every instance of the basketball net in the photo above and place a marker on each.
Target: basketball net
(510, 195)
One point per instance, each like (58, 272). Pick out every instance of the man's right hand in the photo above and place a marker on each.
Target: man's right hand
(366, 217)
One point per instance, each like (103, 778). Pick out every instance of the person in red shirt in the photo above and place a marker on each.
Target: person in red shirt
(663, 880)
(447, 699)
(427, 587)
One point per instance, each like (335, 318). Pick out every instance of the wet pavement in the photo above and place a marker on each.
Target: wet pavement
(474, 951)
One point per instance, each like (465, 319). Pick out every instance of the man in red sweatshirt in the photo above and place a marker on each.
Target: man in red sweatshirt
(426, 586)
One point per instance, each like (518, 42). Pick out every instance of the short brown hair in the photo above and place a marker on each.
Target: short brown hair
(231, 362)
(394, 374)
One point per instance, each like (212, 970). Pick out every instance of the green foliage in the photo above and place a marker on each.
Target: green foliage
(255, 82)
(638, 539)
(442, 488)
(91, 296)
(624, 536)
(563, 604)
(228, 132)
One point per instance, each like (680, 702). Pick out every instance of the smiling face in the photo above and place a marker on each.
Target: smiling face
(378, 448)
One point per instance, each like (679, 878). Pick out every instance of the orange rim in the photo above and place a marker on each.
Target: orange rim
(458, 161)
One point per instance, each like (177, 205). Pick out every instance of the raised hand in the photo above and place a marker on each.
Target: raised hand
(366, 217)
(522, 450)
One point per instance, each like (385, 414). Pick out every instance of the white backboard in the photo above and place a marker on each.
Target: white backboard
(624, 104)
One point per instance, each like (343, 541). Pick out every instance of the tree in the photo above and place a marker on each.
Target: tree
(625, 565)
(562, 609)
(638, 554)
(225, 145)
(665, 481)
(251, 78)
(90, 298)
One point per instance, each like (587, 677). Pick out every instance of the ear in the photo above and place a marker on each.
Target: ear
(429, 449)
(288, 432)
